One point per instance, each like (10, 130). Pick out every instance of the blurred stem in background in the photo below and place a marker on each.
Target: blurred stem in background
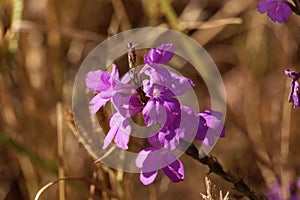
(35, 158)
(171, 15)
(284, 144)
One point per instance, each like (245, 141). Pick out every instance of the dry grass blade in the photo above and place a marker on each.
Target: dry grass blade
(98, 185)
(284, 146)
(211, 192)
(26, 26)
(211, 23)
(60, 150)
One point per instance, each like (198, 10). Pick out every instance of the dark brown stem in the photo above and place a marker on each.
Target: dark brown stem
(216, 167)
(296, 8)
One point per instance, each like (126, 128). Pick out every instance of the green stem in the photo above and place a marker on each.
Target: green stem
(36, 159)
(171, 15)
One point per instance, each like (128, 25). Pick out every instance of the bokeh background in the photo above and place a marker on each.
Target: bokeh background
(42, 44)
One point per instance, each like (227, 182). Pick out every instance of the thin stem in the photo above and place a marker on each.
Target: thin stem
(284, 144)
(98, 185)
(216, 167)
(60, 151)
(171, 15)
(131, 63)
(296, 8)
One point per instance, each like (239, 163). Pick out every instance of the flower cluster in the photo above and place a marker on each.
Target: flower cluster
(156, 99)
(278, 10)
(294, 95)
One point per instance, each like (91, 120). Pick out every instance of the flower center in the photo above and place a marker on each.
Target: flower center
(156, 92)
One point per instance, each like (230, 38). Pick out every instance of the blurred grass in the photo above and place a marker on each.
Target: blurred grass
(53, 38)
(22, 149)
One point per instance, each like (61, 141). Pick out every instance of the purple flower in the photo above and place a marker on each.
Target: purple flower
(183, 127)
(160, 55)
(106, 85)
(157, 100)
(127, 106)
(160, 75)
(278, 10)
(210, 127)
(274, 192)
(119, 131)
(162, 106)
(179, 85)
(153, 158)
(294, 95)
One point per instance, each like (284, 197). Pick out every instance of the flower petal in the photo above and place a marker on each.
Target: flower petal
(149, 159)
(214, 121)
(115, 73)
(159, 75)
(98, 80)
(160, 55)
(97, 102)
(296, 95)
(210, 126)
(154, 112)
(148, 177)
(143, 154)
(110, 136)
(180, 84)
(281, 13)
(278, 10)
(119, 129)
(264, 6)
(175, 170)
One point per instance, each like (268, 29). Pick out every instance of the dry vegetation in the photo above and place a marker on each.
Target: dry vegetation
(42, 44)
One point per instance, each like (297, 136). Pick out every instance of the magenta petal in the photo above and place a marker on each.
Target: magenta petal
(152, 160)
(159, 75)
(122, 137)
(280, 13)
(208, 140)
(180, 84)
(286, 12)
(210, 126)
(202, 129)
(119, 129)
(143, 154)
(154, 112)
(148, 177)
(278, 10)
(120, 102)
(296, 95)
(264, 6)
(97, 102)
(214, 121)
(98, 81)
(123, 133)
(175, 170)
(126, 78)
(115, 73)
(154, 141)
(149, 160)
(298, 183)
(110, 136)
(188, 124)
(160, 55)
(167, 52)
